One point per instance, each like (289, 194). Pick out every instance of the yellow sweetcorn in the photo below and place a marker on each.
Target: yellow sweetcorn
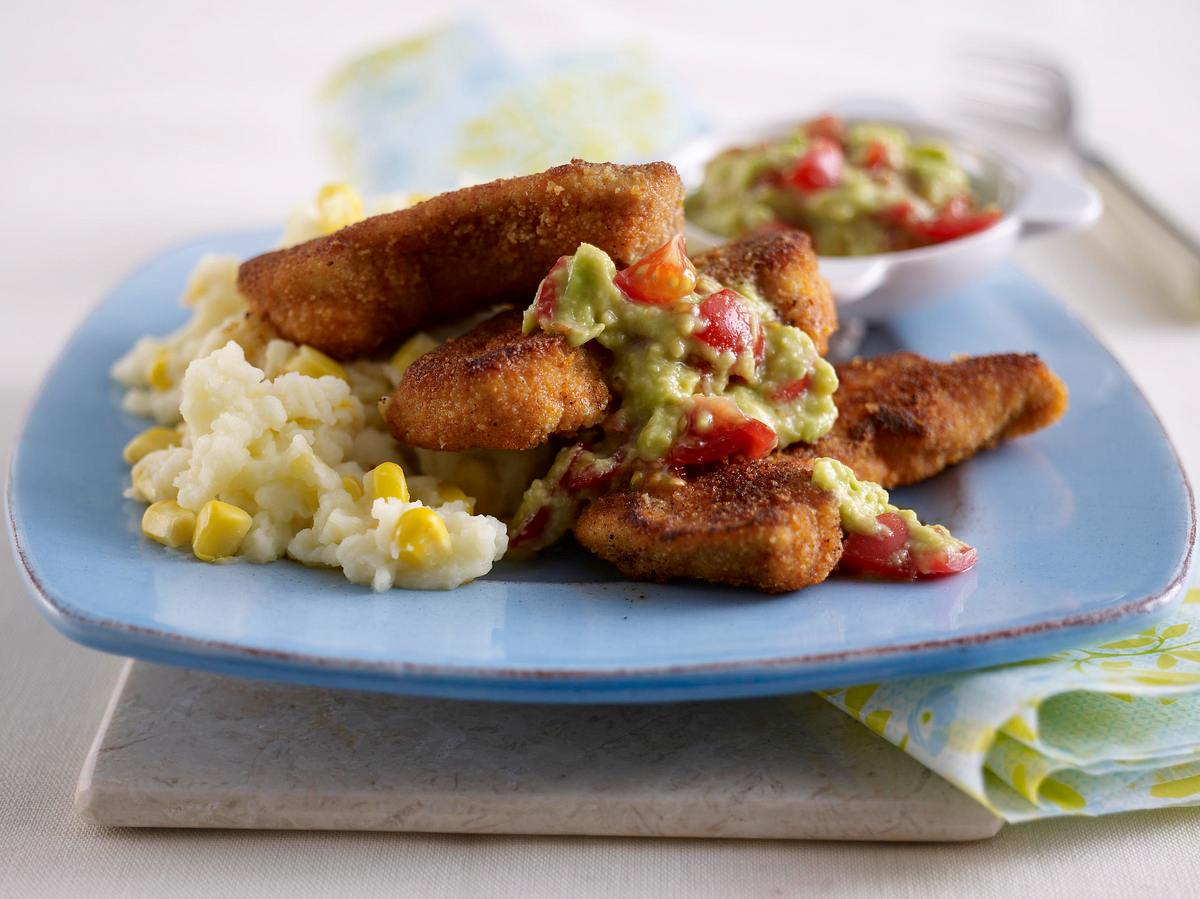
(451, 493)
(352, 486)
(338, 205)
(412, 349)
(314, 364)
(220, 529)
(169, 523)
(142, 481)
(421, 538)
(148, 441)
(387, 480)
(159, 373)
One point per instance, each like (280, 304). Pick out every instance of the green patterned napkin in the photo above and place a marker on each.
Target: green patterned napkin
(1109, 728)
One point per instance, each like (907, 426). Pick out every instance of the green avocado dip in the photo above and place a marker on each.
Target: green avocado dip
(704, 373)
(884, 539)
(856, 189)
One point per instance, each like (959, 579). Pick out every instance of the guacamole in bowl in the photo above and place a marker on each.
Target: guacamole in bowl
(858, 188)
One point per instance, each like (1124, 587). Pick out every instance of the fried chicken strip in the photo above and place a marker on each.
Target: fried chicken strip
(758, 524)
(903, 418)
(495, 388)
(762, 524)
(363, 288)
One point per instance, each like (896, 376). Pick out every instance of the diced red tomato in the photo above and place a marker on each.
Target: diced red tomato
(818, 168)
(878, 156)
(888, 554)
(884, 554)
(900, 215)
(957, 218)
(829, 127)
(532, 528)
(731, 433)
(730, 325)
(789, 392)
(547, 295)
(946, 562)
(662, 277)
(589, 472)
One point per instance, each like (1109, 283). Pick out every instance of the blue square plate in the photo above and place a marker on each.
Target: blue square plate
(1083, 529)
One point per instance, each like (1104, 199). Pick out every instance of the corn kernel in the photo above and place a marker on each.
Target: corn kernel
(338, 205)
(352, 486)
(159, 373)
(422, 538)
(387, 480)
(314, 364)
(169, 523)
(411, 350)
(143, 482)
(220, 529)
(451, 493)
(148, 441)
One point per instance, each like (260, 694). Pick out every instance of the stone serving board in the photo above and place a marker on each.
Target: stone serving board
(180, 748)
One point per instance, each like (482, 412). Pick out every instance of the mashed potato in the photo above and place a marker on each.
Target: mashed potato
(290, 449)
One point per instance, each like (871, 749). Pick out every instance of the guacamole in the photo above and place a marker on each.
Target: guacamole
(856, 189)
(661, 360)
(704, 373)
(883, 539)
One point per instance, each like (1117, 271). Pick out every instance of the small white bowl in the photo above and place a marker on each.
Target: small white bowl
(1034, 201)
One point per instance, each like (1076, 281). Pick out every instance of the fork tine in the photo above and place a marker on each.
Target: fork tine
(1025, 80)
(1023, 111)
(998, 117)
(1015, 65)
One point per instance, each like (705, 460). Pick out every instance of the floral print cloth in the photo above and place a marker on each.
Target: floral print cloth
(1109, 728)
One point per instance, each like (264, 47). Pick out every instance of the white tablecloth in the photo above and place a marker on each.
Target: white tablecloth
(126, 127)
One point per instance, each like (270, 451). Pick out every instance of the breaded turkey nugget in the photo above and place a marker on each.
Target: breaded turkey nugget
(757, 524)
(363, 288)
(903, 418)
(781, 267)
(493, 388)
(481, 391)
(762, 524)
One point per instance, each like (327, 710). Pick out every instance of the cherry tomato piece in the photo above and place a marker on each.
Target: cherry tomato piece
(662, 277)
(730, 433)
(900, 215)
(789, 392)
(955, 219)
(590, 472)
(818, 168)
(878, 156)
(730, 325)
(547, 295)
(829, 127)
(532, 528)
(952, 561)
(884, 554)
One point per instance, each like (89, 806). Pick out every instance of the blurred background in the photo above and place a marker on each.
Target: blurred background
(130, 126)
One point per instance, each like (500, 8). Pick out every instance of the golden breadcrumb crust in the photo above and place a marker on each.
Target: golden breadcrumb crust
(496, 389)
(363, 288)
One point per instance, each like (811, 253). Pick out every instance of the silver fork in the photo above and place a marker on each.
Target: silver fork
(1016, 88)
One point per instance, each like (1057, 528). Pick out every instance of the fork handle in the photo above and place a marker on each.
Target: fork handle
(1111, 182)
(1156, 243)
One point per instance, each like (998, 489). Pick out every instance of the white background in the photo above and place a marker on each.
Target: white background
(125, 127)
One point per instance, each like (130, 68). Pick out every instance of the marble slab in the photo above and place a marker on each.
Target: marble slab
(181, 748)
